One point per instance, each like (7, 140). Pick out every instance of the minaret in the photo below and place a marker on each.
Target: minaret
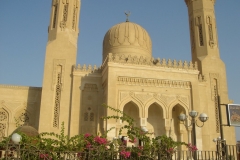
(205, 50)
(203, 29)
(61, 52)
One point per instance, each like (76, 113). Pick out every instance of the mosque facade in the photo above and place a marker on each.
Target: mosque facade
(153, 91)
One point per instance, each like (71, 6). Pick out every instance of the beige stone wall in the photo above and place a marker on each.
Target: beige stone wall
(19, 105)
(153, 92)
(87, 99)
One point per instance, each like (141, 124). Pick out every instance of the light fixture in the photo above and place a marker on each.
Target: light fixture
(16, 138)
(144, 129)
(193, 114)
(203, 117)
(182, 117)
(215, 140)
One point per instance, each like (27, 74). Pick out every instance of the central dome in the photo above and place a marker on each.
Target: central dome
(126, 39)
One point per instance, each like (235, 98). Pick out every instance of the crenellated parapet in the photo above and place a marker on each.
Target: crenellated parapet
(20, 87)
(122, 59)
(87, 68)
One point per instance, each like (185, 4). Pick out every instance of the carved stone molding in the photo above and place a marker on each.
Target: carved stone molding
(154, 82)
(12, 105)
(123, 95)
(167, 99)
(184, 99)
(214, 81)
(56, 63)
(144, 97)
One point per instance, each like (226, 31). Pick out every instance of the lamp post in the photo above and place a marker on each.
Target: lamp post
(193, 114)
(16, 138)
(221, 147)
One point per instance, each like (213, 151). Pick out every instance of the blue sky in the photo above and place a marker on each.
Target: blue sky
(23, 35)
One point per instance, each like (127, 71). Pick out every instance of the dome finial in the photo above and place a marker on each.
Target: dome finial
(127, 14)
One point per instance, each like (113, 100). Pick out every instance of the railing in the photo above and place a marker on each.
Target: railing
(31, 153)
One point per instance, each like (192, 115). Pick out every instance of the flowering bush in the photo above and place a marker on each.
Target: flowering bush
(55, 146)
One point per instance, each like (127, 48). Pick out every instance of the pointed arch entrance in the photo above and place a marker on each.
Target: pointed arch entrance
(155, 121)
(178, 131)
(131, 109)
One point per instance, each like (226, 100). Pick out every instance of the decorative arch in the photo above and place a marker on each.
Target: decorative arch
(135, 101)
(178, 131)
(4, 123)
(159, 104)
(22, 116)
(3, 106)
(173, 104)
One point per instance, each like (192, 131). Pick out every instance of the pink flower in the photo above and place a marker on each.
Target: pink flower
(139, 154)
(88, 145)
(100, 140)
(191, 147)
(125, 154)
(87, 135)
(44, 156)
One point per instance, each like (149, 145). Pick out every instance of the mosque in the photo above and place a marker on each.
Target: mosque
(151, 90)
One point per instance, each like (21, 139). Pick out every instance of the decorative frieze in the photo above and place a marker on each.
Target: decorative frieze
(215, 89)
(57, 102)
(65, 15)
(216, 109)
(154, 82)
(151, 62)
